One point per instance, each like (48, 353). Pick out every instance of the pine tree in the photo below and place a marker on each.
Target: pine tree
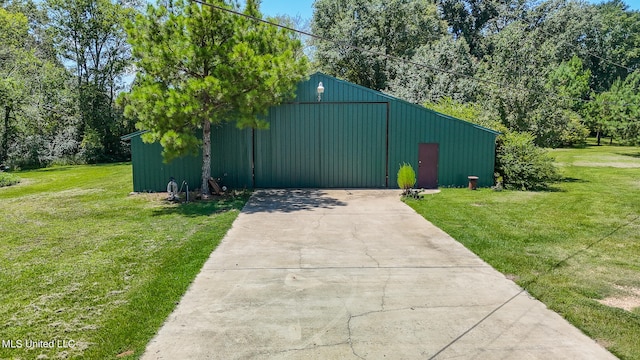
(200, 65)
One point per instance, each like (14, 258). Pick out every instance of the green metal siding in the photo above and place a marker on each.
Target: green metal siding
(231, 154)
(231, 161)
(465, 149)
(288, 153)
(342, 141)
(150, 173)
(353, 138)
(322, 145)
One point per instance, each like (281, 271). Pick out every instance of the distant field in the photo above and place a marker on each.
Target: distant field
(576, 247)
(92, 270)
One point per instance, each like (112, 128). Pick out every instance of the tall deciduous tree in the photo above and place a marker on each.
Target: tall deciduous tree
(615, 41)
(90, 35)
(419, 84)
(616, 112)
(35, 110)
(475, 19)
(200, 65)
(517, 61)
(13, 53)
(468, 18)
(383, 27)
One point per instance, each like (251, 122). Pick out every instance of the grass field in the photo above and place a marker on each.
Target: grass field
(97, 271)
(575, 247)
(92, 269)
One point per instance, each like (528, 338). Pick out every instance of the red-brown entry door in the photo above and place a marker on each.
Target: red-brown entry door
(427, 166)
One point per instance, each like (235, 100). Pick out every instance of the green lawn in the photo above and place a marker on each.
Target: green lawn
(573, 247)
(84, 264)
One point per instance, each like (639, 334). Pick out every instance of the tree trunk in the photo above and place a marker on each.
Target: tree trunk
(598, 137)
(5, 135)
(206, 157)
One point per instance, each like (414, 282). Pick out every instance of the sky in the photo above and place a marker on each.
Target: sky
(304, 8)
(290, 7)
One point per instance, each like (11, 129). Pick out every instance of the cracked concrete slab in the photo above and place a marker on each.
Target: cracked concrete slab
(355, 274)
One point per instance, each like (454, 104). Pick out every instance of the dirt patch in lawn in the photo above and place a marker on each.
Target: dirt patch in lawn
(623, 165)
(157, 196)
(628, 299)
(616, 161)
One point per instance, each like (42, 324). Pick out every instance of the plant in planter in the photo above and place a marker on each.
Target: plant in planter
(406, 178)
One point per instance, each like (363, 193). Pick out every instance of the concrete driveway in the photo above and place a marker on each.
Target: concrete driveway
(355, 274)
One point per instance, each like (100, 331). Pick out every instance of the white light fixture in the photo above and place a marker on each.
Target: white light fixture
(320, 91)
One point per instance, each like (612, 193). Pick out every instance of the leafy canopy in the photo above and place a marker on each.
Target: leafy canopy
(389, 27)
(617, 112)
(199, 64)
(34, 107)
(90, 36)
(465, 111)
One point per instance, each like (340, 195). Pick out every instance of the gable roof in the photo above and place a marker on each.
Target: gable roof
(341, 91)
(349, 92)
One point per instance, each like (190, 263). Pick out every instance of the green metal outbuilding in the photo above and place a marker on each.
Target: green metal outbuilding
(350, 137)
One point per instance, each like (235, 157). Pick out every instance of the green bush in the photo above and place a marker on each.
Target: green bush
(575, 133)
(7, 179)
(465, 111)
(522, 164)
(471, 112)
(406, 177)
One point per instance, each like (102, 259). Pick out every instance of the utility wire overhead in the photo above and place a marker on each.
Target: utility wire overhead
(396, 58)
(590, 53)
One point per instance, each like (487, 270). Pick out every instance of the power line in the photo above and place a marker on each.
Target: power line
(527, 284)
(588, 52)
(396, 58)
(354, 47)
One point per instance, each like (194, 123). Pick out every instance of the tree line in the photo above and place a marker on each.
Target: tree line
(556, 70)
(62, 64)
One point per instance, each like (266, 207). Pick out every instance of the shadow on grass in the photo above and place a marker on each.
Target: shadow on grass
(553, 188)
(57, 168)
(52, 169)
(572, 180)
(635, 155)
(205, 208)
(290, 200)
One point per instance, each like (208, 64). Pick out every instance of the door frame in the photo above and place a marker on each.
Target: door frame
(387, 116)
(428, 161)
